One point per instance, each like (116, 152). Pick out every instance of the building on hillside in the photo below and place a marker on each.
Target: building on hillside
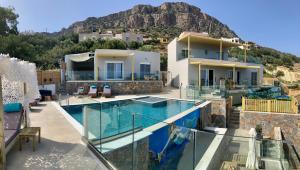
(95, 36)
(233, 40)
(199, 60)
(130, 36)
(119, 68)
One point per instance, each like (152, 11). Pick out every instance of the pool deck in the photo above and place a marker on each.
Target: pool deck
(60, 148)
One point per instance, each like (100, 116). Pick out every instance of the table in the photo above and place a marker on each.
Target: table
(30, 132)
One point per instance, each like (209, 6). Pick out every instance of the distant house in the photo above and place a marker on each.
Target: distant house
(130, 36)
(88, 36)
(199, 60)
(163, 40)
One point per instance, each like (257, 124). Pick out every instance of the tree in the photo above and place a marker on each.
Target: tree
(8, 21)
(279, 73)
(134, 45)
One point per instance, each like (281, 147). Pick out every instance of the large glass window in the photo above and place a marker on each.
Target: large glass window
(114, 71)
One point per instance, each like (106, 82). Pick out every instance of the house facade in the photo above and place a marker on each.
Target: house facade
(199, 60)
(129, 37)
(127, 71)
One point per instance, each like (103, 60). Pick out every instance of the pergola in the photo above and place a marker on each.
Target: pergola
(18, 83)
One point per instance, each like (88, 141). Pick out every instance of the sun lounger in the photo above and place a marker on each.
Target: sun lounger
(93, 91)
(12, 125)
(80, 91)
(106, 91)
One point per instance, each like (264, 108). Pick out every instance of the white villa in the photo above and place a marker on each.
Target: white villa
(199, 60)
(126, 71)
(112, 65)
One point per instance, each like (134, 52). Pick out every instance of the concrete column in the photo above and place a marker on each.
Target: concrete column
(2, 139)
(221, 49)
(189, 47)
(199, 76)
(233, 76)
(258, 76)
(245, 53)
(96, 68)
(132, 67)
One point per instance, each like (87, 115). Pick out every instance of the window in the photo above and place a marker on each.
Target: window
(205, 51)
(114, 71)
(184, 53)
(253, 78)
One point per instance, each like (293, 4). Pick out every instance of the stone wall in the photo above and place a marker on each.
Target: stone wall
(218, 112)
(121, 158)
(289, 123)
(119, 87)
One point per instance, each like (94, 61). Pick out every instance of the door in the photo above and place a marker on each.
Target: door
(254, 78)
(238, 78)
(207, 77)
(211, 77)
(114, 71)
(144, 70)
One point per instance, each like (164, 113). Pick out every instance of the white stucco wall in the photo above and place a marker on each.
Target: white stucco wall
(185, 73)
(178, 69)
(198, 50)
(152, 58)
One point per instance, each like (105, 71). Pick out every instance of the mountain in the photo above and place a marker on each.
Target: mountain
(174, 17)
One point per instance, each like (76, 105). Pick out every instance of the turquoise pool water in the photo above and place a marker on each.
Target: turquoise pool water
(108, 119)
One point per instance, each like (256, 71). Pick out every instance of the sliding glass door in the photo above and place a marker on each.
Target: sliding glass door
(114, 71)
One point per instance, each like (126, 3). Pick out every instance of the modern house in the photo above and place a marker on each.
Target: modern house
(115, 67)
(199, 60)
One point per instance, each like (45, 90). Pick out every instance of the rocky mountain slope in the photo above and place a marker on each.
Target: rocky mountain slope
(176, 17)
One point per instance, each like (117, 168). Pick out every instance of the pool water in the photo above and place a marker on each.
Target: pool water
(108, 119)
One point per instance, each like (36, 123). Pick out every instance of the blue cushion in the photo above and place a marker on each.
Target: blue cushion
(93, 86)
(12, 107)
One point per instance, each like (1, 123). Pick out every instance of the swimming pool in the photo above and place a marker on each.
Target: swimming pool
(107, 119)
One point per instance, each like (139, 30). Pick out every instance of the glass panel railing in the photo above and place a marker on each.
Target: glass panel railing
(129, 76)
(79, 75)
(137, 138)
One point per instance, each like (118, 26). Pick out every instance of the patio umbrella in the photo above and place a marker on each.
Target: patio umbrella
(252, 162)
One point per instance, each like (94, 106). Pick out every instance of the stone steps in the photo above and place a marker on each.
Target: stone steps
(234, 119)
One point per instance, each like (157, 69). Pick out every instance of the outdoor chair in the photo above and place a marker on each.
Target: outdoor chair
(80, 91)
(13, 116)
(93, 91)
(106, 91)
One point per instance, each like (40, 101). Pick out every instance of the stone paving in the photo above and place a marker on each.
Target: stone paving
(60, 148)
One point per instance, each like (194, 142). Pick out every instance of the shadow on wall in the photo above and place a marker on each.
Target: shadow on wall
(175, 81)
(218, 120)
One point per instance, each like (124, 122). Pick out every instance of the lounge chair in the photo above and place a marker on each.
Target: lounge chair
(80, 91)
(93, 91)
(13, 116)
(106, 91)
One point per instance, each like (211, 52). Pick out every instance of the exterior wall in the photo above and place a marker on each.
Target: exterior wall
(129, 36)
(218, 112)
(198, 51)
(179, 69)
(87, 36)
(221, 73)
(289, 123)
(119, 87)
(121, 158)
(152, 58)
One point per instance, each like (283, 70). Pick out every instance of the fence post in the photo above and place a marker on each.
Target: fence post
(243, 103)
(269, 105)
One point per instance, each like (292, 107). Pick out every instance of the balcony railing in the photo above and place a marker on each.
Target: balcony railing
(275, 105)
(80, 75)
(113, 76)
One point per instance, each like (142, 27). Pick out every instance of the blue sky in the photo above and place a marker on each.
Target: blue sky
(272, 23)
